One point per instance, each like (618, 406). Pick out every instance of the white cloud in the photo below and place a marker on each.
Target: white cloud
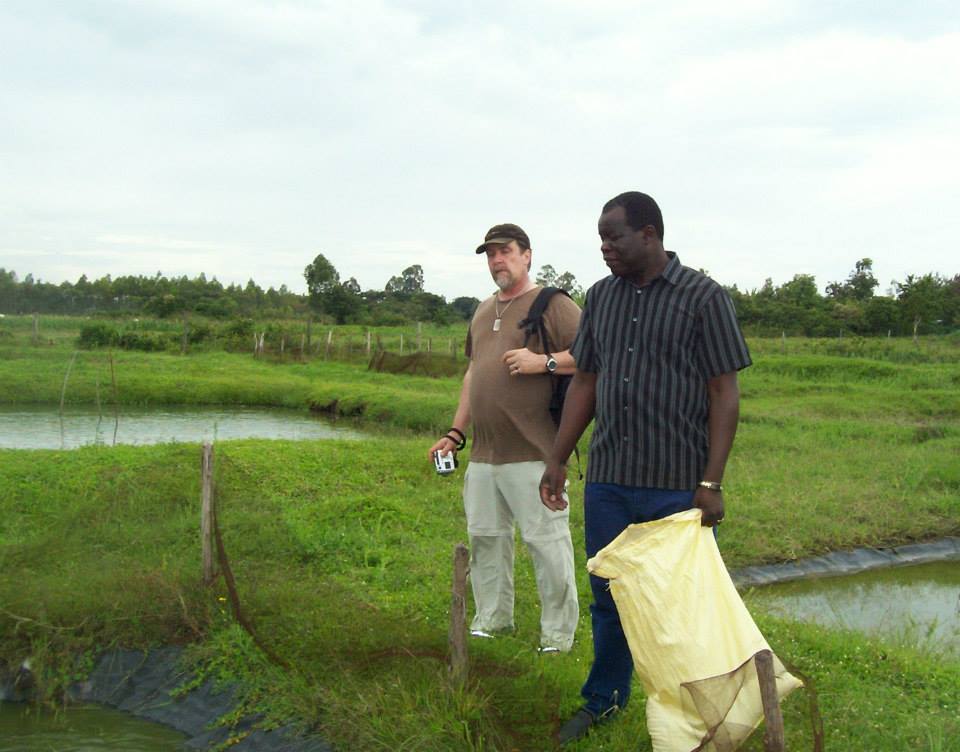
(249, 136)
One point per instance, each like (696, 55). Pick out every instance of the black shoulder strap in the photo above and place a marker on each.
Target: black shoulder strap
(533, 323)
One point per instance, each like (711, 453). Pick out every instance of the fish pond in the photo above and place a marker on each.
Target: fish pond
(918, 605)
(88, 728)
(43, 427)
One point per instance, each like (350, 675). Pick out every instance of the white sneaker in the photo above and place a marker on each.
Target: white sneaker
(480, 633)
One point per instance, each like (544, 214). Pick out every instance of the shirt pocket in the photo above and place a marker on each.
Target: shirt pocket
(671, 333)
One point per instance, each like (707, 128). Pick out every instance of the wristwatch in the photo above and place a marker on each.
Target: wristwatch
(552, 364)
(712, 485)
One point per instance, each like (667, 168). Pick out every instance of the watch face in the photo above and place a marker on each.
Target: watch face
(551, 365)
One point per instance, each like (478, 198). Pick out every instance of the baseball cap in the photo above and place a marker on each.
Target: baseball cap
(503, 234)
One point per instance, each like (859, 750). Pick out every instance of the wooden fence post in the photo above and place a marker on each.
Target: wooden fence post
(419, 334)
(458, 614)
(773, 735)
(185, 336)
(368, 343)
(36, 329)
(206, 513)
(329, 343)
(401, 343)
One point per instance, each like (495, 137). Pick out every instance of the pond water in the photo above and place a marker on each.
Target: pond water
(25, 728)
(40, 427)
(917, 605)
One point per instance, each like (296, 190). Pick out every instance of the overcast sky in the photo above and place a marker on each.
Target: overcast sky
(240, 138)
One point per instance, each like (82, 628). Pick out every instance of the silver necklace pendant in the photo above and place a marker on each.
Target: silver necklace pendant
(496, 325)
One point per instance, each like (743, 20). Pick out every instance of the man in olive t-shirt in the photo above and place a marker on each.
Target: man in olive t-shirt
(506, 396)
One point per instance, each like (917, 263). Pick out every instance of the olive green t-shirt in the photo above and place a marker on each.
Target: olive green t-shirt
(510, 414)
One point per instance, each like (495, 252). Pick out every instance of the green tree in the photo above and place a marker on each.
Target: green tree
(859, 285)
(322, 281)
(464, 307)
(547, 276)
(410, 281)
(923, 302)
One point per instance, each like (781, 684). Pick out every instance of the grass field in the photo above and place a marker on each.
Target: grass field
(343, 559)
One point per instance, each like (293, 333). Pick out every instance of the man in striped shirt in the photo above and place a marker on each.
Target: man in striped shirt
(657, 354)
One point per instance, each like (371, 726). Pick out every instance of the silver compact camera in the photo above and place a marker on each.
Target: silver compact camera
(445, 463)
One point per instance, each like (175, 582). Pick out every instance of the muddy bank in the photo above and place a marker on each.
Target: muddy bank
(838, 563)
(141, 684)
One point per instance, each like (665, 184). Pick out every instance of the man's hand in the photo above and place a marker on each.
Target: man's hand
(444, 446)
(710, 503)
(553, 483)
(522, 362)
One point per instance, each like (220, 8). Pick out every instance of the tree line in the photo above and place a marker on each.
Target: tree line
(924, 304)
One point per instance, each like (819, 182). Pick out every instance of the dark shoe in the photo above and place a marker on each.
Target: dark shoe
(581, 723)
(577, 727)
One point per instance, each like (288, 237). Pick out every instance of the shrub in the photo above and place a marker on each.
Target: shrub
(98, 334)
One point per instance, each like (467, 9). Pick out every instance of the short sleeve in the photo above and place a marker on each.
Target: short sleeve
(561, 319)
(723, 348)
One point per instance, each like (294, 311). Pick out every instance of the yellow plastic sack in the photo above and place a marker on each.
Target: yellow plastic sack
(691, 637)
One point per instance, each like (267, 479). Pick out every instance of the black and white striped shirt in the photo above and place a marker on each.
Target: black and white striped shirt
(653, 349)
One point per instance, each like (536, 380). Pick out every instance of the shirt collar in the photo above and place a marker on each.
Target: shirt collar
(671, 272)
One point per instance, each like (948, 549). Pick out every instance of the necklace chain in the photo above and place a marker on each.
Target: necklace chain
(496, 306)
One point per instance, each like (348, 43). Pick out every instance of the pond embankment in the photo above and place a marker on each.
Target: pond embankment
(838, 563)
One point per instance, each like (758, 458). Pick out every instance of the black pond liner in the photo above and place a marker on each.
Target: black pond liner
(140, 683)
(838, 563)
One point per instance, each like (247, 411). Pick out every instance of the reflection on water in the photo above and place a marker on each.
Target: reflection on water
(39, 427)
(24, 728)
(918, 604)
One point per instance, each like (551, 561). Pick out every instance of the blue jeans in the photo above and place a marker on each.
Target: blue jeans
(608, 509)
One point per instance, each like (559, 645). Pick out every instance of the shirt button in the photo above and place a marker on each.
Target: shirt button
(639, 292)
(626, 378)
(634, 319)
(629, 349)
(626, 439)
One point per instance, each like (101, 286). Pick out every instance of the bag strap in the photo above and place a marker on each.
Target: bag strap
(533, 323)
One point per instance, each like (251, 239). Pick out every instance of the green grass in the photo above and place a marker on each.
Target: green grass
(345, 571)
(343, 558)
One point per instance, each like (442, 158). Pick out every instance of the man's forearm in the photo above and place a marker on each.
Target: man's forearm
(724, 412)
(566, 365)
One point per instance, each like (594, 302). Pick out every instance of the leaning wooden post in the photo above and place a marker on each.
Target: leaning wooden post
(458, 614)
(773, 736)
(185, 335)
(206, 513)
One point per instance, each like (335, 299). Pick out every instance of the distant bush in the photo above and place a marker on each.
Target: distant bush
(147, 342)
(416, 364)
(98, 334)
(103, 334)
